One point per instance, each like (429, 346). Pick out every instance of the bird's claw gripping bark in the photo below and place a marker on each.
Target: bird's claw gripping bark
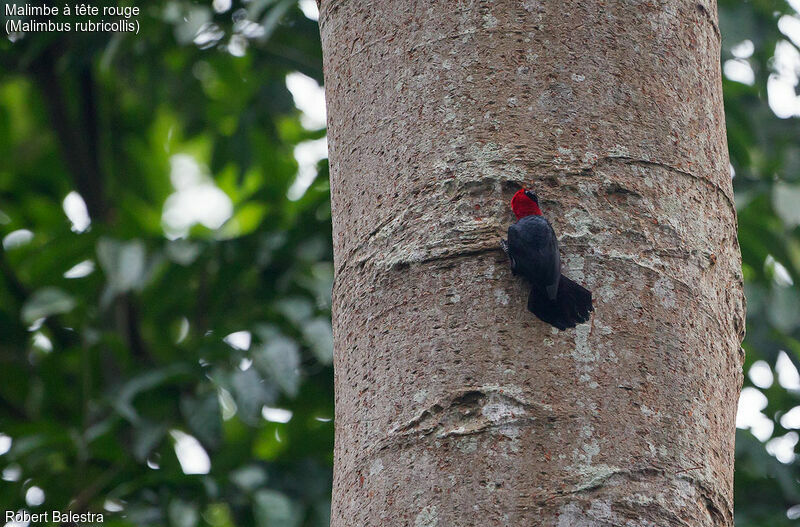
(504, 246)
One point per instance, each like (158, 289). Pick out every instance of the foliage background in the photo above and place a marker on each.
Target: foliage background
(120, 375)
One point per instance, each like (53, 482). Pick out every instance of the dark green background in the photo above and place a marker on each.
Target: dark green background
(134, 351)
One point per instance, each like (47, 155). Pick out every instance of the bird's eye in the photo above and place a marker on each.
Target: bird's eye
(532, 196)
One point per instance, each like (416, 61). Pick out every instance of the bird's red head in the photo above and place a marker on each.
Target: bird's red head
(525, 203)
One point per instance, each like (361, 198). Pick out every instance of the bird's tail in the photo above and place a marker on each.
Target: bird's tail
(572, 304)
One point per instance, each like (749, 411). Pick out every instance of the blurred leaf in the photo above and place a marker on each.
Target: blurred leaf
(191, 22)
(123, 399)
(146, 437)
(218, 515)
(295, 309)
(274, 16)
(204, 418)
(787, 203)
(182, 514)
(244, 221)
(141, 514)
(46, 302)
(279, 359)
(122, 262)
(274, 509)
(249, 478)
(322, 513)
(784, 309)
(183, 252)
(319, 335)
(251, 394)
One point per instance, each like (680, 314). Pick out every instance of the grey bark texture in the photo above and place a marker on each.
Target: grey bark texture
(454, 405)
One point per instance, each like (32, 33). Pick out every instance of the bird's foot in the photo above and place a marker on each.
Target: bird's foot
(504, 246)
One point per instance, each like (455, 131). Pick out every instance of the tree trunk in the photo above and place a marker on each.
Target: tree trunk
(454, 405)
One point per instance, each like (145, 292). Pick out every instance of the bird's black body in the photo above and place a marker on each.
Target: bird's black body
(533, 249)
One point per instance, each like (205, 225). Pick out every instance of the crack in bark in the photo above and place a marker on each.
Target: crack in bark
(401, 262)
(481, 184)
(469, 412)
(719, 514)
(464, 252)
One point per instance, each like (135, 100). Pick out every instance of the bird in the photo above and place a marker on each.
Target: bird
(532, 248)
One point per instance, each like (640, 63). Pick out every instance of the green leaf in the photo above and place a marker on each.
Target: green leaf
(274, 509)
(191, 23)
(274, 16)
(123, 399)
(183, 514)
(122, 262)
(249, 478)
(245, 220)
(218, 515)
(146, 438)
(183, 252)
(46, 302)
(296, 309)
(279, 359)
(319, 336)
(784, 309)
(322, 513)
(204, 418)
(250, 393)
(786, 200)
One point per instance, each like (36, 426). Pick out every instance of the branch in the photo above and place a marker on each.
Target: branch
(79, 138)
(79, 155)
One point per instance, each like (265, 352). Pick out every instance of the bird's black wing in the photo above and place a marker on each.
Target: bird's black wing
(533, 246)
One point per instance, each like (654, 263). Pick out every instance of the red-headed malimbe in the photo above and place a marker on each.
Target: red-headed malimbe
(533, 250)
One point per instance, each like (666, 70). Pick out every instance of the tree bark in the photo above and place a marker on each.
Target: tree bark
(454, 405)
